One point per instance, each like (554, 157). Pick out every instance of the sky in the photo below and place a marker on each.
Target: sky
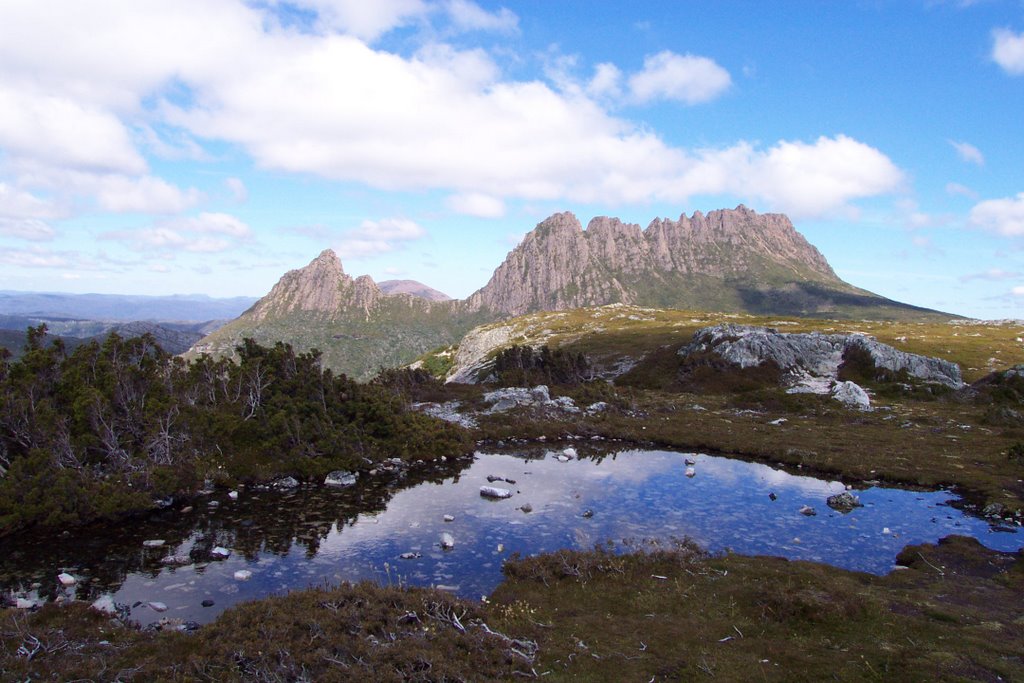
(208, 146)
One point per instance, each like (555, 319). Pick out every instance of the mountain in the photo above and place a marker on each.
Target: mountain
(122, 308)
(732, 260)
(412, 287)
(357, 326)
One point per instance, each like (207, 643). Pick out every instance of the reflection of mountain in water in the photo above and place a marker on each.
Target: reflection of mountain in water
(263, 520)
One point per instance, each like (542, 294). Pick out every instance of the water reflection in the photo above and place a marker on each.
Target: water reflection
(312, 535)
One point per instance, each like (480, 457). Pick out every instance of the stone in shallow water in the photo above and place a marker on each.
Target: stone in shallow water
(690, 472)
(447, 541)
(843, 502)
(449, 518)
(494, 492)
(66, 579)
(158, 606)
(220, 553)
(808, 511)
(243, 575)
(341, 478)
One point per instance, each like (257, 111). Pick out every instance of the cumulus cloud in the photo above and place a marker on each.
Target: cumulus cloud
(686, 78)
(321, 103)
(205, 233)
(147, 194)
(1008, 50)
(478, 205)
(968, 152)
(1001, 216)
(379, 237)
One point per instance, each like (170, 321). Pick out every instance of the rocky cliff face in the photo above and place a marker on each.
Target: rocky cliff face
(560, 265)
(414, 288)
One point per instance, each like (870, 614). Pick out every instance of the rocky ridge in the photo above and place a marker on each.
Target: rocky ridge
(728, 260)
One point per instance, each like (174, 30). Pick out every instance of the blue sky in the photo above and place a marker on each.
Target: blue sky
(207, 146)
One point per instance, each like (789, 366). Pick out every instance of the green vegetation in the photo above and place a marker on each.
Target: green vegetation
(660, 613)
(110, 427)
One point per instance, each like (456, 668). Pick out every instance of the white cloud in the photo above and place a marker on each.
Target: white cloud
(62, 132)
(992, 274)
(237, 188)
(365, 20)
(16, 203)
(962, 190)
(379, 237)
(330, 105)
(606, 82)
(476, 204)
(968, 152)
(37, 258)
(1002, 216)
(1008, 50)
(686, 78)
(469, 16)
(205, 233)
(31, 229)
(1018, 291)
(147, 194)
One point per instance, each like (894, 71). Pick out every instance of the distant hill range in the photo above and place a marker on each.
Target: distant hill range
(177, 322)
(732, 260)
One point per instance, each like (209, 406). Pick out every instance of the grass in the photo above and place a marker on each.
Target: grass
(659, 613)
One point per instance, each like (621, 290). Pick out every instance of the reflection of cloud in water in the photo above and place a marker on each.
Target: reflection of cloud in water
(314, 536)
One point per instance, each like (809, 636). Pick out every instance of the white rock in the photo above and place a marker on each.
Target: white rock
(105, 604)
(341, 478)
(808, 511)
(155, 543)
(24, 603)
(691, 461)
(220, 553)
(66, 579)
(569, 452)
(563, 458)
(447, 541)
(449, 518)
(494, 492)
(690, 472)
(851, 395)
(233, 495)
(158, 606)
(243, 575)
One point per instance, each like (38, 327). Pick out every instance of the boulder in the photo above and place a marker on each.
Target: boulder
(105, 604)
(690, 472)
(808, 511)
(158, 606)
(341, 479)
(447, 541)
(851, 395)
(844, 502)
(286, 483)
(66, 579)
(24, 603)
(495, 492)
(220, 553)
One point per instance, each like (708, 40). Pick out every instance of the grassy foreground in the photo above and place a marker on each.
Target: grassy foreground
(657, 614)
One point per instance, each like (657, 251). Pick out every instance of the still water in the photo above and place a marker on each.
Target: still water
(314, 535)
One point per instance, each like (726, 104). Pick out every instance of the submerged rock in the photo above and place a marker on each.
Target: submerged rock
(494, 492)
(844, 502)
(808, 511)
(411, 556)
(690, 472)
(447, 541)
(341, 478)
(243, 575)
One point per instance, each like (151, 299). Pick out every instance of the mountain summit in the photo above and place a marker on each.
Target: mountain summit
(731, 260)
(726, 260)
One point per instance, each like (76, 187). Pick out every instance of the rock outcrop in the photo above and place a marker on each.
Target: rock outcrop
(413, 288)
(809, 356)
